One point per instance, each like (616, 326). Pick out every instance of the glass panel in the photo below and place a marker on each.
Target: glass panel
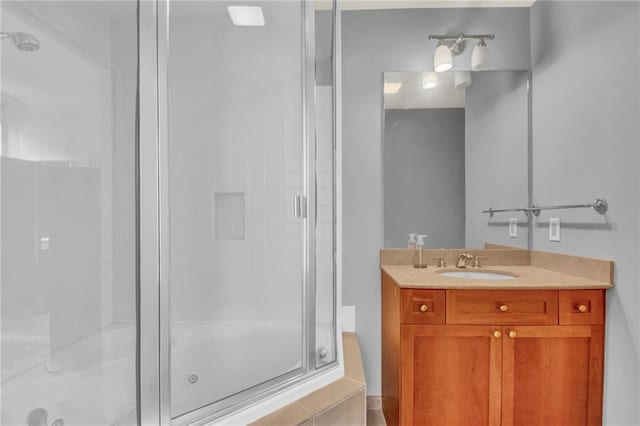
(325, 273)
(68, 213)
(235, 165)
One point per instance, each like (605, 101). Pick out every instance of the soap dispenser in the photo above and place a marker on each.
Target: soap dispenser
(420, 258)
(412, 241)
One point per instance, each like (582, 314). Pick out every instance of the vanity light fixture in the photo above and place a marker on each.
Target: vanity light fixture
(442, 58)
(392, 88)
(462, 79)
(429, 80)
(480, 56)
(246, 16)
(453, 45)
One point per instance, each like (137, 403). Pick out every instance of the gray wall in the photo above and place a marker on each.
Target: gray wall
(394, 40)
(496, 146)
(424, 176)
(585, 132)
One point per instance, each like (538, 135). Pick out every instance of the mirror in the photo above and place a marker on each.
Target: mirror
(454, 144)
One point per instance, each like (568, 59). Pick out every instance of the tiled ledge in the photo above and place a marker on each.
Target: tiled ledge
(342, 402)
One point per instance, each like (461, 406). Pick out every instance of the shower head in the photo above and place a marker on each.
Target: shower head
(23, 41)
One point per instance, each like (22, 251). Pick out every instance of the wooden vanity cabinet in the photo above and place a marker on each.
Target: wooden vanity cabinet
(470, 361)
(450, 375)
(552, 375)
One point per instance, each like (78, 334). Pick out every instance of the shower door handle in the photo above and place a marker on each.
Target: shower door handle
(300, 206)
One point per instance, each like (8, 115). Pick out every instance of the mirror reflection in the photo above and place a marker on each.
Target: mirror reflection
(455, 144)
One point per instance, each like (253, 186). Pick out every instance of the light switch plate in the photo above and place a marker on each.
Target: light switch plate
(513, 227)
(554, 229)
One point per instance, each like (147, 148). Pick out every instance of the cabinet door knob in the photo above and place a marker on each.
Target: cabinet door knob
(582, 308)
(503, 308)
(424, 308)
(512, 334)
(497, 334)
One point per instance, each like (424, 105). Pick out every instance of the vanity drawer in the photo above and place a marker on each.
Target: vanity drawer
(511, 307)
(423, 306)
(581, 307)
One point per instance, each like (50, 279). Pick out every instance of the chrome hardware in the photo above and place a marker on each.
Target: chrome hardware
(458, 42)
(300, 206)
(462, 260)
(600, 206)
(193, 378)
(476, 261)
(322, 353)
(441, 262)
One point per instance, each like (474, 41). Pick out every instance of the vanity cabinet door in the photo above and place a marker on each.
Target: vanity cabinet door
(552, 375)
(451, 375)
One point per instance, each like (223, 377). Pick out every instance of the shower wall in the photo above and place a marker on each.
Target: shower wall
(67, 183)
(235, 164)
(325, 304)
(235, 149)
(325, 173)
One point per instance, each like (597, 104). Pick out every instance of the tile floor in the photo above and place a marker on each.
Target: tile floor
(375, 418)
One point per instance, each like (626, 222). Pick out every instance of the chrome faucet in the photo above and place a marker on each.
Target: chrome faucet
(462, 260)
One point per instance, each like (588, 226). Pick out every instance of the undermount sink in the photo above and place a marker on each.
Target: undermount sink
(478, 275)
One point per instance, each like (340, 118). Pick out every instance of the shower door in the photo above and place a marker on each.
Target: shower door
(165, 255)
(239, 212)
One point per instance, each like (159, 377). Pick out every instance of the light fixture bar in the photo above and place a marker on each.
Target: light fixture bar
(461, 36)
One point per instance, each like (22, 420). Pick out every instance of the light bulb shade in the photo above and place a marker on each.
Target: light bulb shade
(442, 59)
(480, 57)
(429, 80)
(462, 79)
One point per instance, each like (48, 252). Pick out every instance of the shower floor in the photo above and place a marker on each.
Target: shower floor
(93, 381)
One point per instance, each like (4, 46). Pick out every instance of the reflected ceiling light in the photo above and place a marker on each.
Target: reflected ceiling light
(246, 16)
(392, 88)
(480, 56)
(442, 58)
(429, 80)
(462, 79)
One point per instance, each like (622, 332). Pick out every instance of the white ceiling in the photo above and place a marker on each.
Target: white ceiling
(412, 96)
(421, 4)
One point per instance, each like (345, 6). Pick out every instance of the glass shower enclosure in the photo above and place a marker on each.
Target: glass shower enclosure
(167, 207)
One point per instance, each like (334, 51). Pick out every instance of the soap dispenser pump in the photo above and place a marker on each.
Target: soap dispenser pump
(419, 258)
(412, 241)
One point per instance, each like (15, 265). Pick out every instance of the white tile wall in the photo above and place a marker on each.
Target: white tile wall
(324, 235)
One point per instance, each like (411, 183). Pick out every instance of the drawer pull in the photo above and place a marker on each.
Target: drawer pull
(512, 334)
(424, 308)
(582, 308)
(503, 308)
(497, 334)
